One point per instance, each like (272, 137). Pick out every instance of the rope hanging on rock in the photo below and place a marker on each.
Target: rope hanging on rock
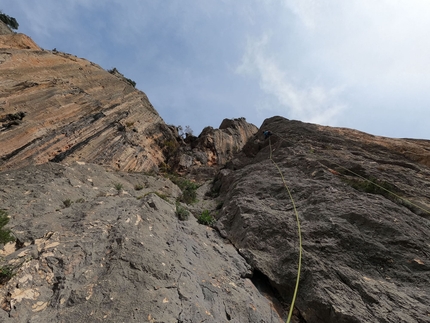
(363, 178)
(290, 313)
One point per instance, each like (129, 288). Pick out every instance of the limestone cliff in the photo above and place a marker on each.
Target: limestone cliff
(58, 107)
(108, 246)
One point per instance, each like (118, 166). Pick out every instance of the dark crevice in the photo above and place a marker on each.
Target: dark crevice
(264, 286)
(13, 117)
(97, 116)
(227, 314)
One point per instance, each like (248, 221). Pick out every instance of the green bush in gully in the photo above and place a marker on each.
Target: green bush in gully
(206, 219)
(5, 234)
(188, 188)
(5, 237)
(6, 274)
(181, 212)
(372, 185)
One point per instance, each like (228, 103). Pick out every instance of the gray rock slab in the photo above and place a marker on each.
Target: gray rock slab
(365, 254)
(116, 256)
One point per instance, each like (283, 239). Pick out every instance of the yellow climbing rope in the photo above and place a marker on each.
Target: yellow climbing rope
(290, 313)
(298, 220)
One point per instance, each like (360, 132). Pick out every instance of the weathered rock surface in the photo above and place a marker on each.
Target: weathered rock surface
(57, 107)
(366, 255)
(4, 29)
(116, 255)
(202, 156)
(221, 144)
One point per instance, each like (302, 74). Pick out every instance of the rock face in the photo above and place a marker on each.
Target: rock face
(4, 29)
(221, 144)
(90, 252)
(202, 156)
(57, 107)
(365, 251)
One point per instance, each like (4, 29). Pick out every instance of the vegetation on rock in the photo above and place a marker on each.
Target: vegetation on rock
(118, 186)
(5, 234)
(185, 133)
(206, 218)
(6, 274)
(138, 187)
(67, 203)
(188, 188)
(181, 212)
(372, 185)
(114, 71)
(9, 21)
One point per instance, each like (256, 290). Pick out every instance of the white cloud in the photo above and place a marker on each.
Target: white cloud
(381, 42)
(312, 103)
(307, 10)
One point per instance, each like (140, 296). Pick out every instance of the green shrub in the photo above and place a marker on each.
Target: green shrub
(206, 219)
(6, 274)
(188, 188)
(373, 186)
(170, 148)
(182, 213)
(162, 196)
(129, 81)
(138, 187)
(67, 203)
(5, 234)
(9, 21)
(165, 168)
(189, 196)
(118, 186)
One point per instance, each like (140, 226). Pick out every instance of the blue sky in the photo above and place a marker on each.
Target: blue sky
(361, 64)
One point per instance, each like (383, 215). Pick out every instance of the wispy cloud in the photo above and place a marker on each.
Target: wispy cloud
(383, 43)
(312, 102)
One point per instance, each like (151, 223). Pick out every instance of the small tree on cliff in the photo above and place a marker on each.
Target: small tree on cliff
(188, 131)
(9, 21)
(185, 133)
(5, 234)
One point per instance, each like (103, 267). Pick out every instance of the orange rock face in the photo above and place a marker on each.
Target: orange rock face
(57, 107)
